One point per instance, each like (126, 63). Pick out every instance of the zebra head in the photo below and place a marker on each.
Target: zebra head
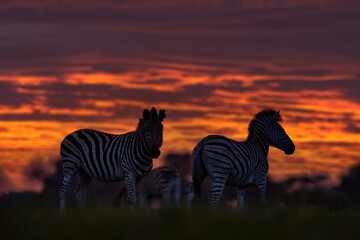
(278, 137)
(153, 129)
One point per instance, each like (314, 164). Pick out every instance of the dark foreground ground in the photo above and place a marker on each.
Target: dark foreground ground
(107, 223)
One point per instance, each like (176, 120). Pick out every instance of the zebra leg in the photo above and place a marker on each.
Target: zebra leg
(217, 190)
(240, 195)
(190, 194)
(166, 195)
(69, 170)
(263, 199)
(261, 187)
(81, 190)
(177, 191)
(130, 182)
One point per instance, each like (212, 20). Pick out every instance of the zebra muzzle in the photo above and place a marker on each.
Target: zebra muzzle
(290, 150)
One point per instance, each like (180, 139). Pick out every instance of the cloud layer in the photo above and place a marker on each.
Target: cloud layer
(212, 64)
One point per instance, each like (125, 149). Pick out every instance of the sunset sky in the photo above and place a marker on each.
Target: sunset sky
(212, 64)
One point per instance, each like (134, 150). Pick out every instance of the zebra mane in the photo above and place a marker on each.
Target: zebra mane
(150, 116)
(141, 125)
(267, 114)
(264, 115)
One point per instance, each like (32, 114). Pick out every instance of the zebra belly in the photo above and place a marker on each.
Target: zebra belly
(104, 175)
(240, 181)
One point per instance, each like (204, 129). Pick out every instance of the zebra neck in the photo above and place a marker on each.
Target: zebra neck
(262, 140)
(264, 149)
(141, 139)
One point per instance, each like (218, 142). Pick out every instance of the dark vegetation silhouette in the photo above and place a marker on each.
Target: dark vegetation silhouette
(309, 191)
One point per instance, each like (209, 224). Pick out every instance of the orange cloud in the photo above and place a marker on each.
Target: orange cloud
(224, 110)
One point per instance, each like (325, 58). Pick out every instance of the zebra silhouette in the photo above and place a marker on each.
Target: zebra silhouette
(109, 157)
(164, 182)
(239, 164)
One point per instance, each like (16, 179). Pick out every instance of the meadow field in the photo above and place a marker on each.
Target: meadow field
(107, 223)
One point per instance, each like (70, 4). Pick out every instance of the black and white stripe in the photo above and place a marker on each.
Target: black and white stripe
(163, 182)
(239, 164)
(109, 157)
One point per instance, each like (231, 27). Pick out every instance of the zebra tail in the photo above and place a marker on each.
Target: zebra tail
(199, 171)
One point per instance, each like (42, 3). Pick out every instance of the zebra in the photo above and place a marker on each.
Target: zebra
(110, 157)
(164, 182)
(239, 164)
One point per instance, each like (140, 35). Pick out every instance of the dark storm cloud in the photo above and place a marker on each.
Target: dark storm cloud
(69, 95)
(42, 39)
(163, 81)
(37, 116)
(348, 88)
(298, 85)
(297, 72)
(352, 125)
(120, 112)
(9, 96)
(144, 4)
(353, 128)
(55, 39)
(178, 115)
(73, 97)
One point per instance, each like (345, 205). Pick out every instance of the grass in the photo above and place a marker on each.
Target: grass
(107, 223)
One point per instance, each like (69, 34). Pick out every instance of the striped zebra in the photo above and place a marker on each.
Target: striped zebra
(164, 182)
(109, 157)
(239, 164)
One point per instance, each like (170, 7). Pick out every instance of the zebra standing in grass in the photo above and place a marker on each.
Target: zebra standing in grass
(164, 182)
(109, 157)
(239, 164)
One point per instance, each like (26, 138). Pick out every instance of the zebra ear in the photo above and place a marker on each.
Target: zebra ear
(146, 114)
(275, 117)
(153, 114)
(162, 114)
